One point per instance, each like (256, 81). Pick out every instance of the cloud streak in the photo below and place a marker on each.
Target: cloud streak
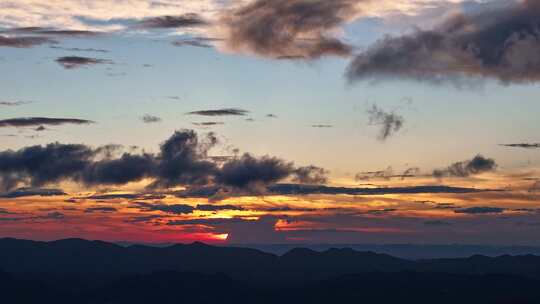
(220, 112)
(23, 41)
(40, 121)
(523, 145)
(75, 62)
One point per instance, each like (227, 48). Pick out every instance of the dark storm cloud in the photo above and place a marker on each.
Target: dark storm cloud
(182, 160)
(477, 165)
(171, 22)
(310, 175)
(220, 112)
(25, 192)
(389, 122)
(39, 165)
(523, 145)
(147, 118)
(501, 43)
(480, 210)
(120, 171)
(74, 62)
(40, 121)
(288, 29)
(250, 172)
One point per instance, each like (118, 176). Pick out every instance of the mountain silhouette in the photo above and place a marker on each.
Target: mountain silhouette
(95, 272)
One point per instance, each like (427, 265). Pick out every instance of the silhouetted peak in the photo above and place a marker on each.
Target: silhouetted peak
(299, 252)
(200, 244)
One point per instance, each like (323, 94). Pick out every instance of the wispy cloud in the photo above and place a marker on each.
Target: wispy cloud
(389, 122)
(40, 121)
(220, 112)
(523, 145)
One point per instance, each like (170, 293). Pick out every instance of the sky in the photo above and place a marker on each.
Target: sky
(271, 121)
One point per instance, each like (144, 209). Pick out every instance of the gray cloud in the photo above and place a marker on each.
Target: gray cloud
(501, 43)
(23, 41)
(288, 29)
(389, 122)
(437, 223)
(171, 22)
(25, 192)
(14, 103)
(74, 62)
(219, 208)
(100, 210)
(147, 118)
(310, 175)
(50, 31)
(220, 112)
(201, 42)
(322, 126)
(480, 210)
(39, 121)
(182, 160)
(250, 172)
(387, 174)
(172, 209)
(523, 145)
(477, 165)
(303, 189)
(208, 123)
(75, 49)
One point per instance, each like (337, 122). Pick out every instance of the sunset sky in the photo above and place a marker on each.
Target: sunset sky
(271, 121)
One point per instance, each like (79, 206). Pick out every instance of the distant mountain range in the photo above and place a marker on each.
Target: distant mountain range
(80, 271)
(407, 251)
